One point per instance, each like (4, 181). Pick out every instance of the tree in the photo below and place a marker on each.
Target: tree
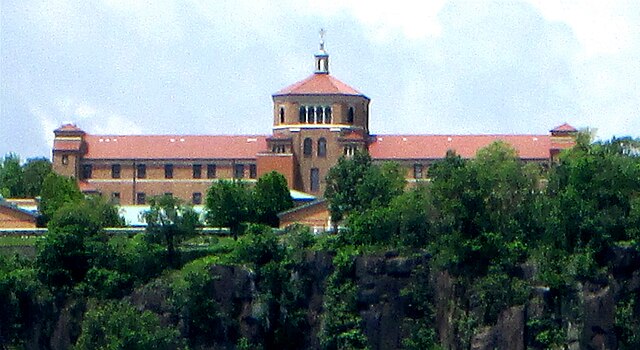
(356, 185)
(73, 241)
(119, 325)
(380, 185)
(25, 302)
(483, 208)
(172, 221)
(271, 196)
(11, 176)
(57, 190)
(342, 184)
(228, 205)
(106, 212)
(593, 193)
(35, 171)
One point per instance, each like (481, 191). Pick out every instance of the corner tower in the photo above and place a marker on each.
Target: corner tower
(316, 121)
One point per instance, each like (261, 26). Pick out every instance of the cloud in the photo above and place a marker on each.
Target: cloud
(602, 27)
(194, 66)
(113, 124)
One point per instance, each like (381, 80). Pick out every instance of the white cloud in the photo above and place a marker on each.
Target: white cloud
(602, 27)
(48, 123)
(114, 124)
(413, 19)
(193, 66)
(156, 20)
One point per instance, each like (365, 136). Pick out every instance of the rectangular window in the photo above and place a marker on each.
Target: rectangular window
(141, 198)
(115, 198)
(65, 159)
(253, 171)
(115, 171)
(197, 171)
(211, 171)
(417, 171)
(196, 198)
(315, 179)
(141, 171)
(168, 171)
(238, 171)
(86, 171)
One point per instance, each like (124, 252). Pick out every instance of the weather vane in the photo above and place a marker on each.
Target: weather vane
(322, 33)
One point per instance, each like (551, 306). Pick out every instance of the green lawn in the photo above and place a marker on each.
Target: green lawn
(12, 241)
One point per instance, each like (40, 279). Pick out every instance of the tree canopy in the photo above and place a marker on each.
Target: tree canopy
(233, 203)
(354, 184)
(11, 176)
(57, 190)
(22, 181)
(169, 219)
(270, 196)
(227, 205)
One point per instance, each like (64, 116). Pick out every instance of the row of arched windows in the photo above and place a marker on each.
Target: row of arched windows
(307, 147)
(315, 115)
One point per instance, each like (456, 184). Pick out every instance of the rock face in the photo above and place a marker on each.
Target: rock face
(381, 280)
(508, 333)
(383, 306)
(598, 309)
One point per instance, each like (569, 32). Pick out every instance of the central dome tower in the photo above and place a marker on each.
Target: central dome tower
(317, 120)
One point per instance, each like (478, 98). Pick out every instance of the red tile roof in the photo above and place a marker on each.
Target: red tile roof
(66, 145)
(564, 128)
(68, 127)
(436, 146)
(319, 84)
(174, 146)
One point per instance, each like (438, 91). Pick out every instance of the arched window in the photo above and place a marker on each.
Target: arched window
(303, 114)
(281, 115)
(327, 115)
(307, 147)
(314, 177)
(322, 147)
(350, 115)
(350, 150)
(311, 114)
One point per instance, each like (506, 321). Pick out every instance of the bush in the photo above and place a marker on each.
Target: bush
(119, 325)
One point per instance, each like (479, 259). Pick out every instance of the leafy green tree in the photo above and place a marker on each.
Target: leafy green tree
(342, 184)
(355, 185)
(227, 205)
(483, 208)
(25, 301)
(405, 221)
(380, 185)
(73, 242)
(119, 325)
(171, 220)
(270, 196)
(593, 195)
(105, 211)
(35, 171)
(57, 190)
(11, 176)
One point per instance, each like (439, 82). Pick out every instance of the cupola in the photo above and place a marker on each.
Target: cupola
(322, 57)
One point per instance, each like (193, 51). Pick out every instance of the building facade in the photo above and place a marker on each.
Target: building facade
(315, 122)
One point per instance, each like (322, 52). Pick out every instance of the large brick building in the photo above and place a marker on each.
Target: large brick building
(315, 122)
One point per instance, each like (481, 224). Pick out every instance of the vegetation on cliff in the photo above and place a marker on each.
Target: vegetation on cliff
(451, 263)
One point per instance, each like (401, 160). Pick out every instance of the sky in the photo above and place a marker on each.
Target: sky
(210, 67)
